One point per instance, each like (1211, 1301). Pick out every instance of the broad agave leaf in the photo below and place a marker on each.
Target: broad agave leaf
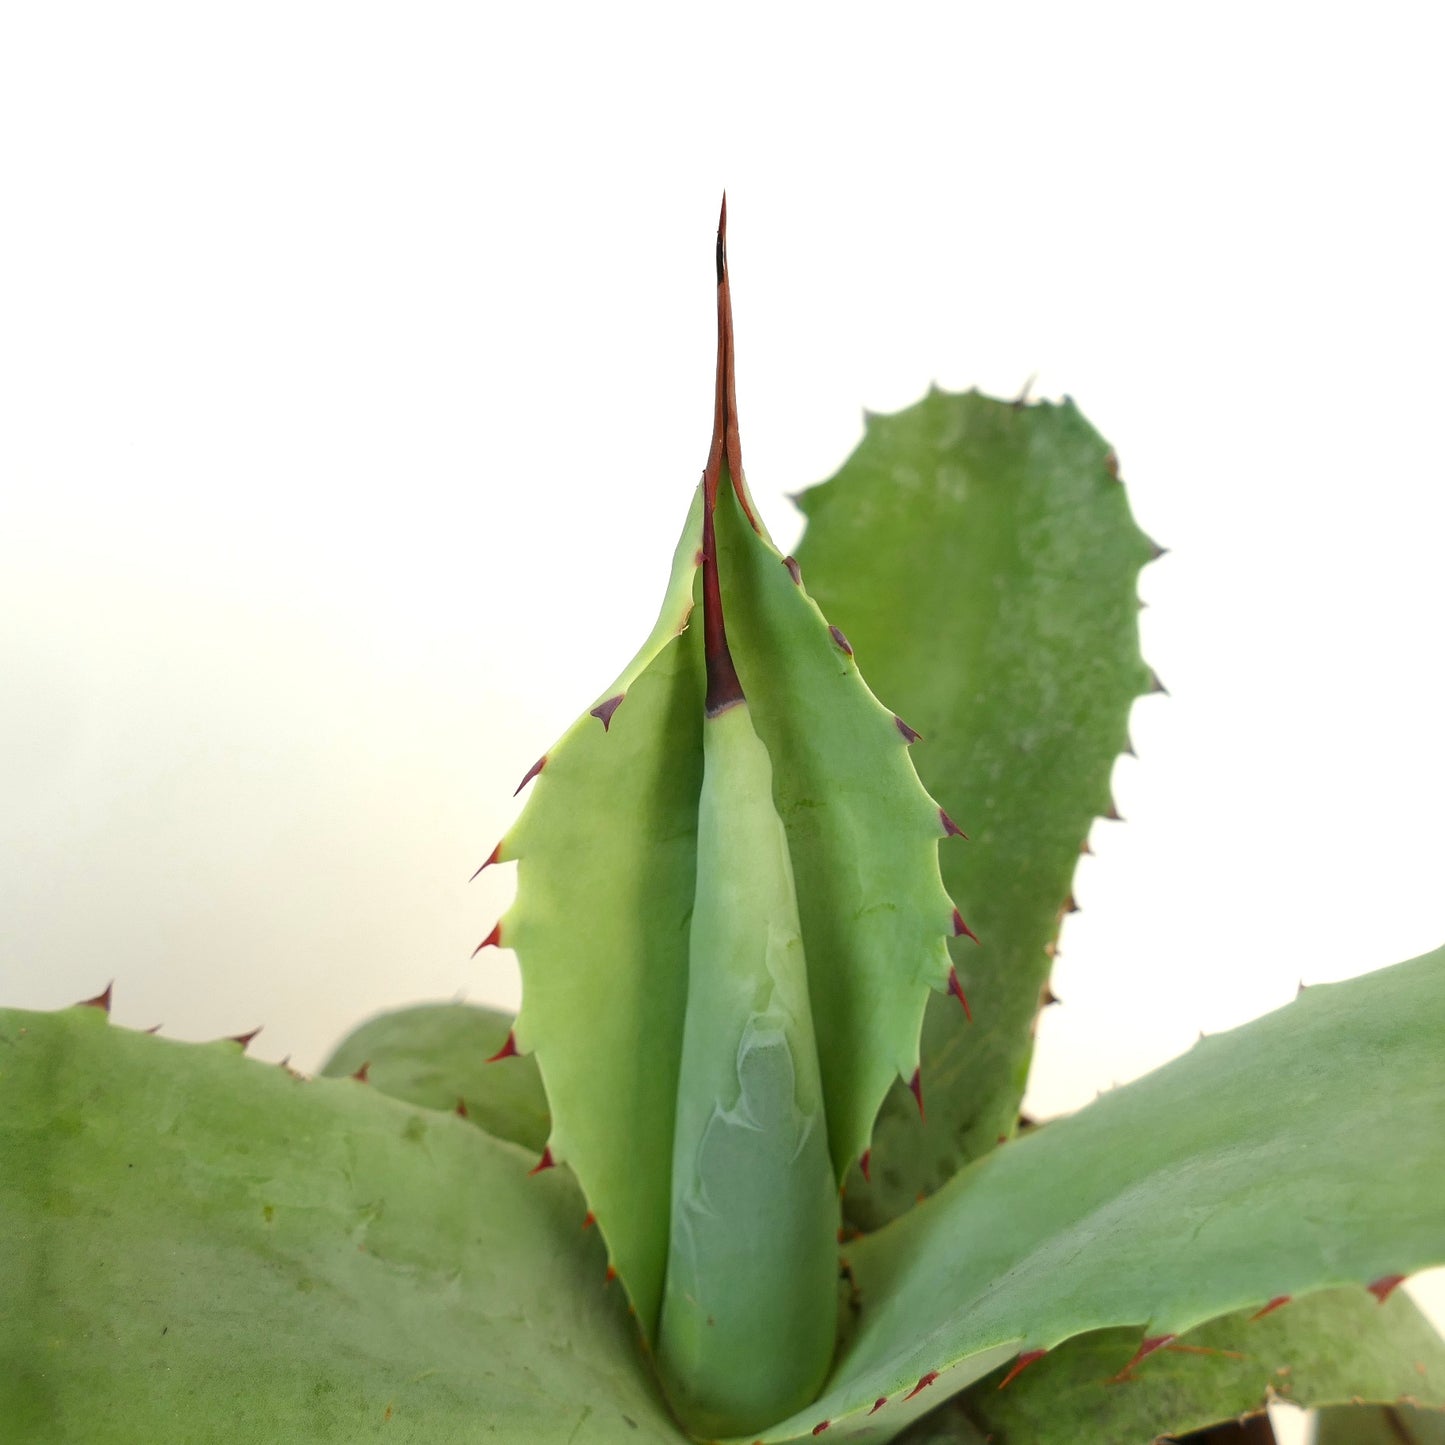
(436, 1055)
(1401, 1424)
(1301, 1152)
(197, 1246)
(734, 825)
(1337, 1346)
(981, 556)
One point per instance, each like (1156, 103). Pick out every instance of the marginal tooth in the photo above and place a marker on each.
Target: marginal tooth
(495, 856)
(1277, 1302)
(244, 1039)
(961, 929)
(1155, 685)
(924, 1381)
(836, 633)
(492, 940)
(878, 1404)
(532, 773)
(100, 1001)
(794, 571)
(545, 1162)
(915, 1087)
(950, 828)
(461, 1109)
(363, 1074)
(589, 1221)
(910, 735)
(1020, 1365)
(864, 1160)
(508, 1050)
(1111, 464)
(956, 989)
(1147, 1348)
(604, 710)
(1385, 1286)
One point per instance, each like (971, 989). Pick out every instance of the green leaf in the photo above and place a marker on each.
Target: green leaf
(1379, 1425)
(1302, 1152)
(1330, 1347)
(436, 1055)
(201, 1247)
(981, 558)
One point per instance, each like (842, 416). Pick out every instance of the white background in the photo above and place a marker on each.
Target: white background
(355, 368)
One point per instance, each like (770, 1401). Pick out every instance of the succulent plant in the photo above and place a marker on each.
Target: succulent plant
(777, 1016)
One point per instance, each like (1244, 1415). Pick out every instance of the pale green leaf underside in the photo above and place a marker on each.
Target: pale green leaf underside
(200, 1247)
(1301, 1152)
(436, 1055)
(1338, 1345)
(1379, 1425)
(606, 852)
(862, 832)
(981, 558)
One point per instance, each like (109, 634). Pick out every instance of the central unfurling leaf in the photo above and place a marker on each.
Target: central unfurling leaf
(729, 918)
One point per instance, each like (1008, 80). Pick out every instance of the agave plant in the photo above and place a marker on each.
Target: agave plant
(749, 1164)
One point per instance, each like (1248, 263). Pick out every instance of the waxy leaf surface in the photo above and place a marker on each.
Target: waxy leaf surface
(197, 1246)
(1302, 1152)
(436, 1055)
(1338, 1345)
(981, 558)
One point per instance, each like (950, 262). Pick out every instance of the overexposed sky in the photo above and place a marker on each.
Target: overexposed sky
(355, 369)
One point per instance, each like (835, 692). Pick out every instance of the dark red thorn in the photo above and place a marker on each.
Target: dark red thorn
(924, 1381)
(604, 710)
(1150, 1344)
(1274, 1304)
(100, 1001)
(508, 1050)
(461, 1109)
(492, 940)
(794, 571)
(589, 1221)
(961, 929)
(878, 1404)
(956, 989)
(532, 773)
(837, 636)
(495, 856)
(610, 1275)
(1026, 1359)
(545, 1162)
(821, 1426)
(864, 1160)
(910, 735)
(1385, 1286)
(245, 1039)
(915, 1085)
(363, 1074)
(1155, 685)
(950, 828)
